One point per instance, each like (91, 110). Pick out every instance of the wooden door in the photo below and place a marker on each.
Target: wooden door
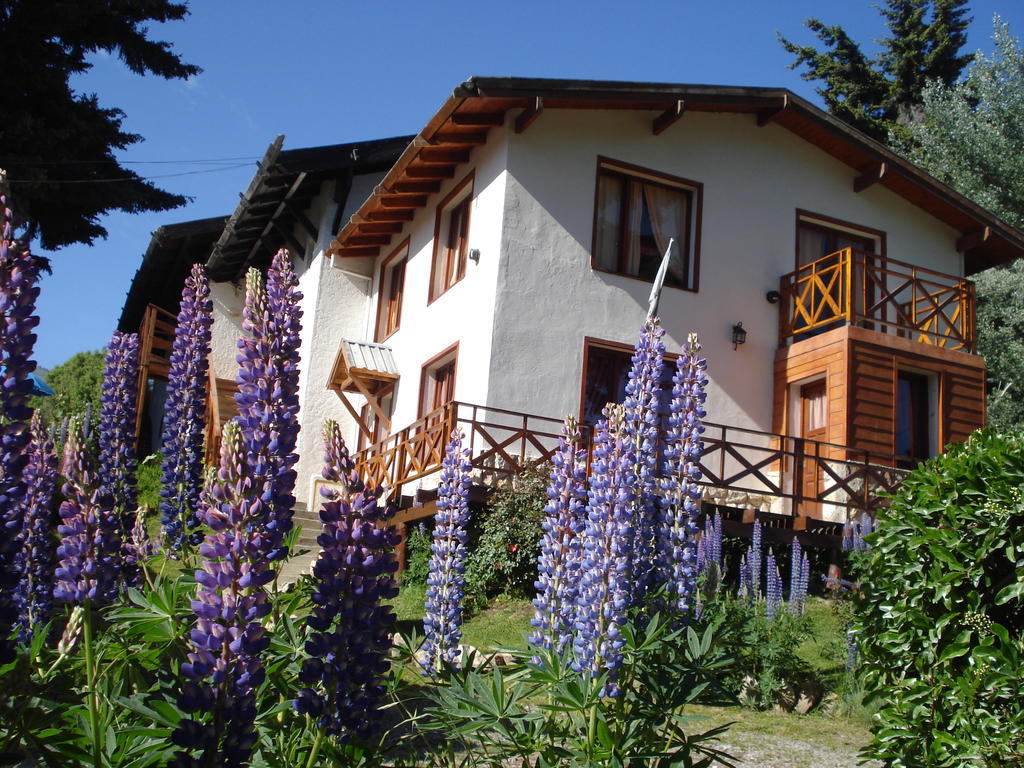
(813, 427)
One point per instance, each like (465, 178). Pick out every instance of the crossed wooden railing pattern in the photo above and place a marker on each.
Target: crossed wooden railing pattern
(156, 338)
(857, 288)
(503, 443)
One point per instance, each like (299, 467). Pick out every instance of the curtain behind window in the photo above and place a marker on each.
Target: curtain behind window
(669, 211)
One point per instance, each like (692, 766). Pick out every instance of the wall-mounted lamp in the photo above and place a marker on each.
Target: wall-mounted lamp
(773, 297)
(739, 335)
(474, 255)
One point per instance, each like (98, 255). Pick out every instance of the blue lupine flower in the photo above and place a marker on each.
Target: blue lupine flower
(640, 428)
(223, 668)
(745, 589)
(558, 563)
(185, 413)
(89, 554)
(446, 582)
(18, 293)
(799, 565)
(754, 561)
(349, 625)
(680, 502)
(268, 387)
(773, 588)
(116, 438)
(36, 556)
(604, 588)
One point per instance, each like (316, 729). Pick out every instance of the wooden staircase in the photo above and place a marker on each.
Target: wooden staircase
(297, 566)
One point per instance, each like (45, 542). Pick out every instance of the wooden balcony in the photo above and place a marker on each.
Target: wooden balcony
(740, 467)
(850, 287)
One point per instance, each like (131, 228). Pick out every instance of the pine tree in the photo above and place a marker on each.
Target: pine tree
(48, 132)
(881, 95)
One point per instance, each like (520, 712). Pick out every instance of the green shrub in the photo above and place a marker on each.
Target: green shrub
(417, 555)
(147, 478)
(942, 612)
(506, 539)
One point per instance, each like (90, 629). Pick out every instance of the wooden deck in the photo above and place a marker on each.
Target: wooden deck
(740, 467)
(878, 293)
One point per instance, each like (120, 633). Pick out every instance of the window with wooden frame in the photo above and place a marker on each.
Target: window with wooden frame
(451, 238)
(437, 381)
(637, 213)
(391, 288)
(915, 418)
(819, 236)
(606, 367)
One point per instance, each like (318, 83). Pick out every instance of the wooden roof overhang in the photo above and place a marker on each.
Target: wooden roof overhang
(365, 369)
(482, 103)
(272, 211)
(172, 250)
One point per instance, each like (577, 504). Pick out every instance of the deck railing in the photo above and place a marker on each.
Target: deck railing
(740, 467)
(156, 339)
(852, 287)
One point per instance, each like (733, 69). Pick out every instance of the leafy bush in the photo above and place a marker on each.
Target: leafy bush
(942, 613)
(503, 552)
(417, 555)
(147, 478)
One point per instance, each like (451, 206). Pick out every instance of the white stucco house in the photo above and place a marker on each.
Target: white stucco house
(492, 272)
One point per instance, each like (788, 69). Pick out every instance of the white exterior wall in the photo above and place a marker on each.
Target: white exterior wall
(548, 298)
(463, 314)
(228, 300)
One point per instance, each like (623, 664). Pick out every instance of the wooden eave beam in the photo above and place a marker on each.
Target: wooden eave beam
(443, 156)
(358, 251)
(525, 118)
(416, 187)
(668, 117)
(461, 139)
(972, 240)
(395, 214)
(289, 238)
(368, 373)
(478, 119)
(270, 224)
(303, 220)
(377, 227)
(765, 116)
(368, 240)
(403, 201)
(430, 172)
(870, 177)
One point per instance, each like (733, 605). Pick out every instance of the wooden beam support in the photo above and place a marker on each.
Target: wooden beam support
(303, 220)
(972, 240)
(873, 176)
(478, 119)
(668, 117)
(355, 415)
(442, 156)
(528, 115)
(374, 404)
(392, 215)
(368, 240)
(289, 238)
(377, 227)
(765, 116)
(461, 139)
(402, 201)
(429, 172)
(416, 187)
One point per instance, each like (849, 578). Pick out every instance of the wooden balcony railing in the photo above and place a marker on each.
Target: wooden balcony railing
(850, 287)
(156, 338)
(791, 475)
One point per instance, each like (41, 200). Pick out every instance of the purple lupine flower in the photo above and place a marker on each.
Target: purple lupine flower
(36, 556)
(349, 624)
(18, 293)
(851, 648)
(268, 387)
(185, 413)
(709, 559)
(116, 438)
(608, 538)
(558, 563)
(223, 667)
(680, 502)
(805, 579)
(442, 621)
(640, 429)
(754, 560)
(89, 553)
(142, 544)
(745, 589)
(773, 588)
(863, 528)
(847, 542)
(796, 566)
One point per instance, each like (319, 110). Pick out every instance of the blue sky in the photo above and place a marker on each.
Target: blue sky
(332, 72)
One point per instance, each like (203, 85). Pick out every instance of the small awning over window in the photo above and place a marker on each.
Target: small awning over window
(366, 369)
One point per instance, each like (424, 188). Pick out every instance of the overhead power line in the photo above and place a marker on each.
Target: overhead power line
(125, 178)
(16, 161)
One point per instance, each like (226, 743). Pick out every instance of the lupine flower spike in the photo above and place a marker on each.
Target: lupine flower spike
(36, 557)
(799, 566)
(349, 625)
(223, 668)
(268, 386)
(89, 553)
(773, 588)
(606, 548)
(558, 564)
(185, 413)
(754, 561)
(641, 431)
(680, 501)
(18, 293)
(116, 437)
(446, 582)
